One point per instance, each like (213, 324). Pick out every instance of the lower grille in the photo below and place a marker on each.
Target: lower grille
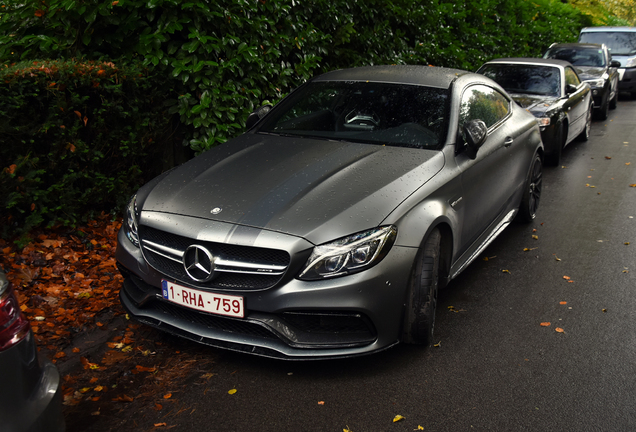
(214, 322)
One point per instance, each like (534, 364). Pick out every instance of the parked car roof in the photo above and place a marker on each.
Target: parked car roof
(576, 45)
(537, 61)
(608, 28)
(403, 74)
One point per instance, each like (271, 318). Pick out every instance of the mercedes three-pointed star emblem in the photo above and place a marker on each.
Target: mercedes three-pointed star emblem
(198, 263)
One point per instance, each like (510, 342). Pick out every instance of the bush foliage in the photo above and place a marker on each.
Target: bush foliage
(229, 55)
(223, 58)
(73, 134)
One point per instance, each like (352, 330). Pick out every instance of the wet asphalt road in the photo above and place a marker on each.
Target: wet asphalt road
(496, 368)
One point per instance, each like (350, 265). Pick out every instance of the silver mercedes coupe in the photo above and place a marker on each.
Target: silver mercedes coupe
(327, 229)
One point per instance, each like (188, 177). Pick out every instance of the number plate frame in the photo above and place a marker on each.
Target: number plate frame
(204, 301)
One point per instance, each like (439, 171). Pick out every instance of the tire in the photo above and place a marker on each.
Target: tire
(554, 158)
(604, 111)
(532, 192)
(419, 317)
(585, 135)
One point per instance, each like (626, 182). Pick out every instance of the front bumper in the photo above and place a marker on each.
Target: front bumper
(296, 320)
(599, 96)
(550, 138)
(627, 81)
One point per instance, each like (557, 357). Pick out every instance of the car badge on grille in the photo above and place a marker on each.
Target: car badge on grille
(216, 210)
(198, 263)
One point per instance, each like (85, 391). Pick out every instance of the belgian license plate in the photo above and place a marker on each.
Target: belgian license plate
(205, 301)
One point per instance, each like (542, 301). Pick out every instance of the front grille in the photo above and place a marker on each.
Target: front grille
(238, 268)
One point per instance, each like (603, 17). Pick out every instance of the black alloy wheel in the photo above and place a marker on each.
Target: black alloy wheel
(532, 192)
(419, 317)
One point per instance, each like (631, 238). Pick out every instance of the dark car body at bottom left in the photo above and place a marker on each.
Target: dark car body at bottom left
(30, 387)
(327, 228)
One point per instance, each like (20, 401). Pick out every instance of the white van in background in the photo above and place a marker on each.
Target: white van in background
(622, 43)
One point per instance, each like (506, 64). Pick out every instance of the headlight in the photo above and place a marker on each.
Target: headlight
(543, 121)
(350, 254)
(596, 82)
(630, 62)
(130, 223)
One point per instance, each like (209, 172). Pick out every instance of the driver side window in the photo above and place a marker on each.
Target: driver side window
(571, 77)
(480, 102)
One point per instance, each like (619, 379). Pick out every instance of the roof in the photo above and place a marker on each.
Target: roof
(535, 61)
(607, 29)
(576, 45)
(399, 74)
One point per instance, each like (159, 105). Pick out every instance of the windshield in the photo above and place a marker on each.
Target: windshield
(374, 113)
(620, 43)
(526, 79)
(578, 56)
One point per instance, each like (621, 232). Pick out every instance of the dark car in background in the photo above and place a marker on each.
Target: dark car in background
(621, 42)
(594, 65)
(326, 230)
(553, 92)
(30, 387)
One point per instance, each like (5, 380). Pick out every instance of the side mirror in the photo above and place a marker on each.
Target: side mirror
(615, 64)
(474, 133)
(570, 88)
(255, 116)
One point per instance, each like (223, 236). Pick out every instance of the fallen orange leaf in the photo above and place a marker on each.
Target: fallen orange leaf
(559, 329)
(545, 324)
(563, 302)
(123, 398)
(167, 396)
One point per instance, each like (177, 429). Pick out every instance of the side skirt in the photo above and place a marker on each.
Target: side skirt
(478, 247)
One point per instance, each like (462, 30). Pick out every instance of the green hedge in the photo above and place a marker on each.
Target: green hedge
(210, 62)
(74, 138)
(228, 56)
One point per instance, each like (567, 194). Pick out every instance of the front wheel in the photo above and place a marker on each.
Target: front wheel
(532, 192)
(419, 318)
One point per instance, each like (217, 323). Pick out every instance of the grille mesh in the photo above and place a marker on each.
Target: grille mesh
(223, 281)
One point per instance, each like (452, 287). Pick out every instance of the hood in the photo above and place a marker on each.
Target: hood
(534, 103)
(315, 189)
(588, 72)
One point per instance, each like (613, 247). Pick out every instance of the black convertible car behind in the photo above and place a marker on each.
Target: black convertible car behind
(553, 92)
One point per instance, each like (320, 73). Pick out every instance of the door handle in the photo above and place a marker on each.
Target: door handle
(508, 142)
